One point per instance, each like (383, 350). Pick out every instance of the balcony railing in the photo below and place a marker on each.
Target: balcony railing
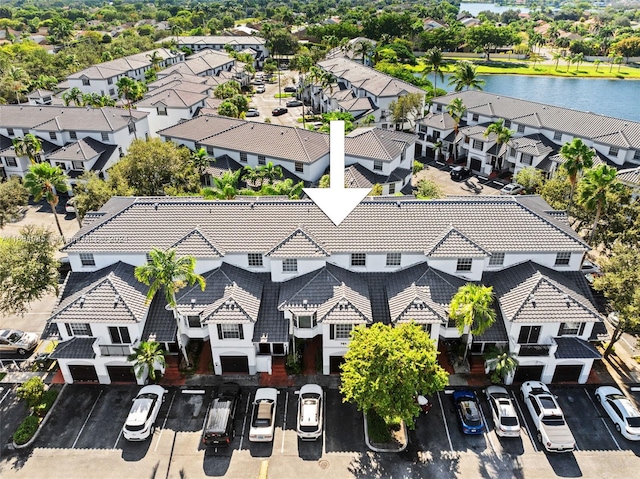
(534, 350)
(115, 349)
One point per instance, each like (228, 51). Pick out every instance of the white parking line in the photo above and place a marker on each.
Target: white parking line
(324, 426)
(244, 421)
(284, 421)
(446, 428)
(524, 422)
(5, 395)
(164, 423)
(86, 420)
(602, 419)
(486, 427)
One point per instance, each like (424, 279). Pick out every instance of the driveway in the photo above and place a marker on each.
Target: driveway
(472, 186)
(266, 102)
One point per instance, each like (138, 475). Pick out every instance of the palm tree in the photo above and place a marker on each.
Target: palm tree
(433, 62)
(155, 59)
(597, 62)
(200, 160)
(74, 95)
(471, 309)
(44, 180)
(456, 109)
(28, 146)
(145, 357)
(17, 81)
(578, 58)
(225, 187)
(131, 90)
(465, 76)
(364, 48)
(271, 172)
(557, 57)
(578, 157)
(437, 149)
(170, 273)
(596, 186)
(502, 364)
(503, 136)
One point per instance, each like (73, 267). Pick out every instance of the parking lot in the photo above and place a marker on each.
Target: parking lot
(266, 102)
(87, 422)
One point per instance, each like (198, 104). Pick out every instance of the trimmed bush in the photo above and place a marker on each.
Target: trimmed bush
(26, 430)
(377, 427)
(417, 167)
(46, 402)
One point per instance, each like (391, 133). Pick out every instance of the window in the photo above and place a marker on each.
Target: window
(464, 264)
(109, 81)
(613, 151)
(52, 135)
(497, 259)
(119, 335)
(78, 329)
(477, 144)
(209, 150)
(262, 160)
(438, 107)
(507, 123)
(10, 131)
(86, 259)
(86, 82)
(394, 259)
(77, 165)
(255, 260)
(512, 152)
(11, 162)
(358, 259)
(562, 259)
(105, 136)
(529, 335)
(243, 157)
(162, 111)
(377, 165)
(636, 155)
(392, 188)
(526, 159)
(194, 321)
(426, 328)
(149, 260)
(230, 331)
(571, 329)
(307, 322)
(73, 135)
(557, 136)
(341, 331)
(299, 167)
(289, 265)
(520, 128)
(475, 117)
(466, 139)
(132, 127)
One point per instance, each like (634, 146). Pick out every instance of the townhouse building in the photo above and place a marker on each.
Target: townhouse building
(279, 270)
(539, 131)
(256, 46)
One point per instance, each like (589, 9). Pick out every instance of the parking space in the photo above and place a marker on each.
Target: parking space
(267, 101)
(439, 172)
(12, 411)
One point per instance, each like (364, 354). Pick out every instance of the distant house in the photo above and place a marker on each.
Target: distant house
(218, 42)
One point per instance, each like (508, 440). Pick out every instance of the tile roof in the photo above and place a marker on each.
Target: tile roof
(376, 143)
(200, 127)
(575, 348)
(630, 176)
(181, 77)
(122, 65)
(530, 293)
(160, 324)
(82, 150)
(198, 244)
(439, 120)
(173, 98)
(454, 244)
(250, 225)
(299, 244)
(535, 145)
(271, 326)
(181, 85)
(221, 40)
(75, 348)
(201, 62)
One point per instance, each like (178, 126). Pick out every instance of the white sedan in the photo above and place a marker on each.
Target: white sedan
(140, 423)
(623, 413)
(263, 416)
(512, 189)
(309, 423)
(503, 412)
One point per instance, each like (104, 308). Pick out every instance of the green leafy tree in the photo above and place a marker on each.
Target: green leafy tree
(407, 107)
(427, 189)
(227, 108)
(146, 357)
(531, 178)
(44, 180)
(227, 90)
(13, 196)
(465, 77)
(29, 268)
(578, 158)
(472, 309)
(167, 272)
(225, 187)
(487, 37)
(503, 137)
(31, 391)
(29, 146)
(556, 190)
(325, 181)
(386, 366)
(91, 193)
(15, 80)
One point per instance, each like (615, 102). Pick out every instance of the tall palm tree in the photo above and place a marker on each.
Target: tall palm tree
(363, 48)
(17, 81)
(155, 59)
(200, 160)
(271, 172)
(169, 273)
(433, 63)
(28, 146)
(578, 157)
(471, 308)
(465, 77)
(74, 95)
(130, 90)
(503, 136)
(456, 109)
(44, 180)
(594, 190)
(145, 357)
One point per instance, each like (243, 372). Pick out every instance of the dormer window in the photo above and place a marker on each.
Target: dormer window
(290, 265)
(571, 329)
(562, 259)
(193, 321)
(86, 82)
(358, 259)
(464, 264)
(162, 110)
(307, 321)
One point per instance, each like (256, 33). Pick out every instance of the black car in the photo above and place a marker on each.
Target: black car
(294, 103)
(460, 173)
(290, 89)
(219, 428)
(279, 111)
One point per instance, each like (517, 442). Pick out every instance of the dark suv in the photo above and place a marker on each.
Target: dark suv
(219, 428)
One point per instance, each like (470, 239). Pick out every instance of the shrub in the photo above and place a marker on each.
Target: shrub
(377, 427)
(26, 430)
(46, 402)
(31, 391)
(417, 167)
(428, 189)
(294, 363)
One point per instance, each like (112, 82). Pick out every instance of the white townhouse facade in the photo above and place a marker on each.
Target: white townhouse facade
(372, 155)
(539, 131)
(76, 139)
(169, 105)
(102, 78)
(363, 91)
(241, 43)
(279, 269)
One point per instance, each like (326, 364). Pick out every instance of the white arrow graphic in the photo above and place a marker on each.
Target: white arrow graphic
(336, 201)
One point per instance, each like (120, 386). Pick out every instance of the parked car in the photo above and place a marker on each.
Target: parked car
(290, 89)
(548, 418)
(309, 425)
(468, 412)
(263, 415)
(625, 416)
(279, 111)
(252, 112)
(16, 341)
(460, 173)
(511, 189)
(219, 427)
(260, 89)
(292, 103)
(503, 412)
(140, 423)
(70, 205)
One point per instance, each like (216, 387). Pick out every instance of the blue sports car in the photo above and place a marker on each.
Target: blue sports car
(468, 412)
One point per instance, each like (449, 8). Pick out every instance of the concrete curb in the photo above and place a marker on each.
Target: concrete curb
(42, 423)
(381, 449)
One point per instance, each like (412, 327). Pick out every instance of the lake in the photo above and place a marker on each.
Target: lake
(475, 8)
(606, 97)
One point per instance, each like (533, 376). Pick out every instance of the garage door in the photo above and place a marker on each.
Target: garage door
(528, 373)
(567, 373)
(83, 373)
(334, 364)
(121, 374)
(235, 364)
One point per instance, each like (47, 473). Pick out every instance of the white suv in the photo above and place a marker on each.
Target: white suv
(140, 423)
